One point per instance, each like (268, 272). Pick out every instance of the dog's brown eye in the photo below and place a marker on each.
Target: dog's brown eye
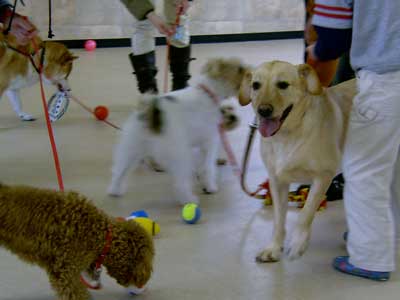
(283, 85)
(256, 85)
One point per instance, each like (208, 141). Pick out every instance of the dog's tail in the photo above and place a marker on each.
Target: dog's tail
(155, 116)
(154, 112)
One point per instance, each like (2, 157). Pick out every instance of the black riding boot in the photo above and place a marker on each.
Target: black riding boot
(144, 67)
(179, 66)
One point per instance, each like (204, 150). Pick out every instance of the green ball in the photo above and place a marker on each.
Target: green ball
(191, 213)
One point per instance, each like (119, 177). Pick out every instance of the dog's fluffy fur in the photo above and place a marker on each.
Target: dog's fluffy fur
(17, 72)
(170, 125)
(65, 234)
(303, 128)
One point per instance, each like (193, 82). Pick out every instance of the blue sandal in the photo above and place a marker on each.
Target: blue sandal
(341, 263)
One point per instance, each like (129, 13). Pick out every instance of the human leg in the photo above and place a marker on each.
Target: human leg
(369, 162)
(180, 49)
(143, 58)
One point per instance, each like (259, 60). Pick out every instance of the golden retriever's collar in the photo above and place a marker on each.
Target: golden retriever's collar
(95, 280)
(209, 92)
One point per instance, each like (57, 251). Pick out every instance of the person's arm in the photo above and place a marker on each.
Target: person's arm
(332, 20)
(139, 8)
(331, 43)
(144, 9)
(21, 28)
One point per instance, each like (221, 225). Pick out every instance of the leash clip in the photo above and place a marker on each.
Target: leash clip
(97, 273)
(254, 124)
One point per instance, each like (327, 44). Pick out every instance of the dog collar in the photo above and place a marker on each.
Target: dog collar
(95, 281)
(38, 68)
(210, 93)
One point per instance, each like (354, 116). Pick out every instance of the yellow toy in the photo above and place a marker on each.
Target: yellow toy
(143, 219)
(149, 225)
(298, 197)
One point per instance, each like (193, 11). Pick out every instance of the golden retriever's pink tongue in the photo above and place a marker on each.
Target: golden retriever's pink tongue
(268, 127)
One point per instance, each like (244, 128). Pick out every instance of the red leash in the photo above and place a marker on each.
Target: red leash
(49, 127)
(167, 59)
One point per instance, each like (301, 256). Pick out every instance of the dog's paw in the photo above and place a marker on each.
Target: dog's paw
(186, 200)
(152, 164)
(298, 244)
(271, 254)
(91, 281)
(221, 161)
(114, 191)
(210, 189)
(26, 117)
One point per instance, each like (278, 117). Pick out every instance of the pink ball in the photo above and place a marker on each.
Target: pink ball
(90, 45)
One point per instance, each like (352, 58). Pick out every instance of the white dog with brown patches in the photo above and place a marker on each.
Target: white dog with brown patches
(17, 70)
(303, 128)
(169, 126)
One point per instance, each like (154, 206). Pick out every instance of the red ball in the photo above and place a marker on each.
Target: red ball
(90, 45)
(101, 112)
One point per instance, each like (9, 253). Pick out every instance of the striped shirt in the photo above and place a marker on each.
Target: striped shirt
(333, 14)
(375, 42)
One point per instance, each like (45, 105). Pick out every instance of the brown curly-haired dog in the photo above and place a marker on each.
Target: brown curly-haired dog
(65, 234)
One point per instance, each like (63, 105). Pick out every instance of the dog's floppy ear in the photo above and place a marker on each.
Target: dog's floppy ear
(73, 57)
(212, 68)
(69, 57)
(311, 79)
(245, 89)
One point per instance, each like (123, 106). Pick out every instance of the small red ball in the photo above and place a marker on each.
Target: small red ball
(90, 45)
(101, 112)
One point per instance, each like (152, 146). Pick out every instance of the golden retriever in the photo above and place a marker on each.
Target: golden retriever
(303, 128)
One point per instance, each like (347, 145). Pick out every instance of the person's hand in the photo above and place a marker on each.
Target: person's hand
(326, 70)
(160, 24)
(311, 54)
(21, 28)
(310, 35)
(182, 4)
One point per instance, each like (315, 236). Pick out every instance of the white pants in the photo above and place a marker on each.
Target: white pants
(143, 38)
(371, 166)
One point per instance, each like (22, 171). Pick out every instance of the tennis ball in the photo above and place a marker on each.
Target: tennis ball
(191, 213)
(101, 112)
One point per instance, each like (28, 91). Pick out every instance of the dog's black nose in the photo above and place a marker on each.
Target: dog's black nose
(265, 111)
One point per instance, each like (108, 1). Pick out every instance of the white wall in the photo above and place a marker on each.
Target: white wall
(84, 19)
